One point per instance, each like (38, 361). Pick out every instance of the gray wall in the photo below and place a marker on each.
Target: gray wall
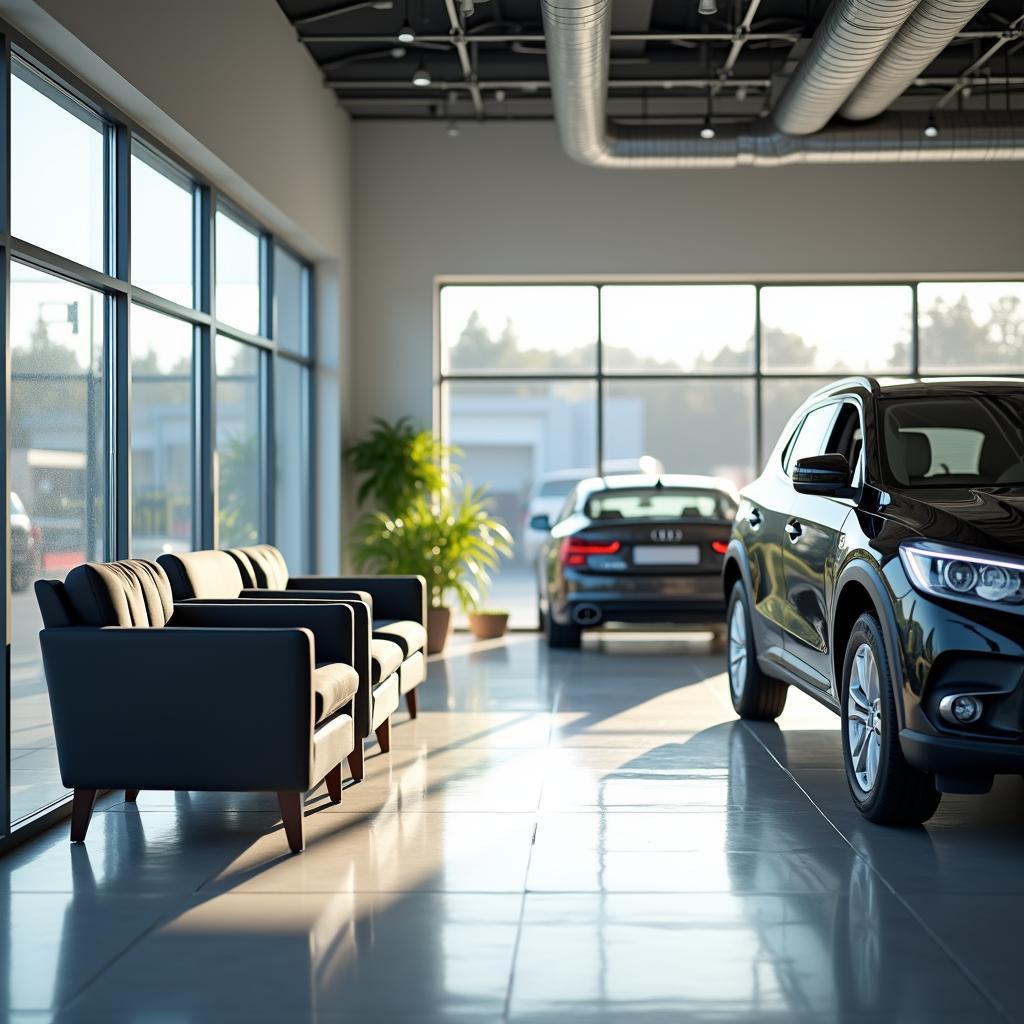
(503, 199)
(226, 84)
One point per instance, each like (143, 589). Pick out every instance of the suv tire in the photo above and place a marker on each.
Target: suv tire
(754, 694)
(885, 788)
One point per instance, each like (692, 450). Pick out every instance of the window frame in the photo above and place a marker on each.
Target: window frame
(123, 137)
(763, 445)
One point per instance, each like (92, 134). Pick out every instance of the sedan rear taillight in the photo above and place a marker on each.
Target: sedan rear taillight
(719, 546)
(575, 550)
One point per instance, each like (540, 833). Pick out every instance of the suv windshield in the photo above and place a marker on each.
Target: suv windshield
(954, 441)
(659, 503)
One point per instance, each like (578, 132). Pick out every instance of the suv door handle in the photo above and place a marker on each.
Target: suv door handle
(755, 518)
(794, 530)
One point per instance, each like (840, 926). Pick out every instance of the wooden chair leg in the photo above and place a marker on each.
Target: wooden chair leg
(131, 795)
(291, 814)
(412, 704)
(384, 735)
(333, 781)
(81, 811)
(357, 760)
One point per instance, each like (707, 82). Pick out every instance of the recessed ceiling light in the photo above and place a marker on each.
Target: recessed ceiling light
(421, 77)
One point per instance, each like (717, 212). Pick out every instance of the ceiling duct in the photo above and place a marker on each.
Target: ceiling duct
(577, 36)
(924, 35)
(845, 46)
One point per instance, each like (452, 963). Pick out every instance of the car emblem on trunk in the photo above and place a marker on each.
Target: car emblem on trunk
(666, 534)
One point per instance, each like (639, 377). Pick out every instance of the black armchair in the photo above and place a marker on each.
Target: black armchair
(147, 696)
(399, 605)
(201, 577)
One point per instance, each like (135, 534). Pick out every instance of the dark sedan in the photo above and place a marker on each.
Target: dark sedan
(635, 549)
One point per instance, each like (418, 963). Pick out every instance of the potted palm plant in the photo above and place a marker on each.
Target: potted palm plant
(454, 545)
(398, 463)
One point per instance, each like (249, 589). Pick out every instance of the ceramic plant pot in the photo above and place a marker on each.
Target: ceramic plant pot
(439, 628)
(488, 625)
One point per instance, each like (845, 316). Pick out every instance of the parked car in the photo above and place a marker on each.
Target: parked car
(635, 549)
(26, 546)
(878, 564)
(549, 491)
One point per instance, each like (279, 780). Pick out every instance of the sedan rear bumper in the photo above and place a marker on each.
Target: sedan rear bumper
(593, 609)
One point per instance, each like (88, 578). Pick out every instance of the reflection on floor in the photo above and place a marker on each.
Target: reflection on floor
(581, 836)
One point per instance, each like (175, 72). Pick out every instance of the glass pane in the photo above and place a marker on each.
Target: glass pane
(518, 439)
(239, 476)
(238, 274)
(695, 426)
(161, 232)
(161, 434)
(971, 328)
(780, 398)
(291, 463)
(842, 329)
(56, 171)
(699, 328)
(291, 297)
(58, 483)
(519, 328)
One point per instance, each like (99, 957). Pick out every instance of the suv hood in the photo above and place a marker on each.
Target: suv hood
(991, 519)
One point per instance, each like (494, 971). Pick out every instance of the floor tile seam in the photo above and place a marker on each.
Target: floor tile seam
(163, 919)
(968, 974)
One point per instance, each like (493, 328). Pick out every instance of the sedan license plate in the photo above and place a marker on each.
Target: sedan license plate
(666, 554)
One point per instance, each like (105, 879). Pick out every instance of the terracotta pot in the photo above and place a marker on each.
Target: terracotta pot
(439, 628)
(488, 625)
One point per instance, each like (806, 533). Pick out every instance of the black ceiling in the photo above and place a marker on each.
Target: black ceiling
(662, 80)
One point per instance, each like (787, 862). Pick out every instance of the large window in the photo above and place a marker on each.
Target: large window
(144, 353)
(162, 438)
(162, 228)
(675, 378)
(58, 189)
(238, 274)
(239, 436)
(58, 486)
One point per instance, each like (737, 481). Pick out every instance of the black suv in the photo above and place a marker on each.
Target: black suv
(878, 564)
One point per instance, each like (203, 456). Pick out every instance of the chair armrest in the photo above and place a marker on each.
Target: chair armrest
(342, 630)
(394, 597)
(214, 709)
(311, 595)
(330, 622)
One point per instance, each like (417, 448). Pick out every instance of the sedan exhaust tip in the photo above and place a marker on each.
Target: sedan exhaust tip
(586, 615)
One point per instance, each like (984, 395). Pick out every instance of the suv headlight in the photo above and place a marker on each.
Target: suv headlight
(965, 575)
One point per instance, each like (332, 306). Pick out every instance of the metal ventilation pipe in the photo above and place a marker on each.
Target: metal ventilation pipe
(923, 36)
(845, 46)
(577, 42)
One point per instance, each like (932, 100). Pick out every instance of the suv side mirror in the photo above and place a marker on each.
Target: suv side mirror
(828, 475)
(541, 523)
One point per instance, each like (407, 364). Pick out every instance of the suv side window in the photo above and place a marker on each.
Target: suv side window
(810, 435)
(847, 437)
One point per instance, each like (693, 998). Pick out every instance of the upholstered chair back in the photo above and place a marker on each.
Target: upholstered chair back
(203, 574)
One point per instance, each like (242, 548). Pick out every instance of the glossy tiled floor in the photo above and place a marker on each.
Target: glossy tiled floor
(579, 836)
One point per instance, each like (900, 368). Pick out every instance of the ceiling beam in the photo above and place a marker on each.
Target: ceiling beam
(332, 12)
(535, 84)
(458, 40)
(1014, 30)
(616, 37)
